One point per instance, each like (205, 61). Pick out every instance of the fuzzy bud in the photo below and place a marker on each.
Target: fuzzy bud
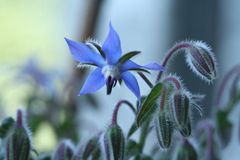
(19, 143)
(164, 130)
(201, 60)
(186, 152)
(92, 148)
(179, 104)
(114, 143)
(65, 151)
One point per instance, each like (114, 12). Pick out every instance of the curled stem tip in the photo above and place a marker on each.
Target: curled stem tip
(173, 80)
(173, 50)
(115, 112)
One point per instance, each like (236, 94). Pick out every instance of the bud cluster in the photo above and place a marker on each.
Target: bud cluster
(174, 111)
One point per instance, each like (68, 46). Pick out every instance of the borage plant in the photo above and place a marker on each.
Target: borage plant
(166, 109)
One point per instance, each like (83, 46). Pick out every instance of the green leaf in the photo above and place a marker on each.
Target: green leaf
(132, 148)
(128, 56)
(224, 127)
(132, 130)
(149, 104)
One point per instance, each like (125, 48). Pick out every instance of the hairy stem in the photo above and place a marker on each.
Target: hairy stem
(170, 53)
(227, 77)
(172, 79)
(115, 112)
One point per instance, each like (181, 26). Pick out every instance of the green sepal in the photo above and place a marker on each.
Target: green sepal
(128, 56)
(99, 49)
(187, 129)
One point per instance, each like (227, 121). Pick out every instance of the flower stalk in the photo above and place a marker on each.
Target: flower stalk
(119, 104)
(175, 49)
(199, 58)
(233, 72)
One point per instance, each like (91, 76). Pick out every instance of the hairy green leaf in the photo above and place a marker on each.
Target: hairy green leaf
(149, 106)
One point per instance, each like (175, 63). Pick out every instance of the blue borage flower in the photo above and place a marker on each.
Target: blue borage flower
(111, 65)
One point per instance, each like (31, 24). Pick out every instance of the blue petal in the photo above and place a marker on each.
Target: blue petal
(112, 46)
(131, 83)
(82, 53)
(154, 66)
(94, 82)
(132, 65)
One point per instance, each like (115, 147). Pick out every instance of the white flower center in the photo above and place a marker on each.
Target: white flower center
(110, 70)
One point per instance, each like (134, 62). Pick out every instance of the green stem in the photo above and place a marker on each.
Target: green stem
(143, 136)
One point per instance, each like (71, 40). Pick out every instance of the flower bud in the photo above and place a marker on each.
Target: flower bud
(164, 130)
(19, 143)
(92, 148)
(186, 129)
(202, 61)
(114, 143)
(65, 151)
(186, 152)
(179, 104)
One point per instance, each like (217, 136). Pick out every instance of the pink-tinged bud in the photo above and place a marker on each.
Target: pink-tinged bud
(201, 60)
(64, 151)
(114, 143)
(92, 149)
(19, 142)
(164, 130)
(179, 106)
